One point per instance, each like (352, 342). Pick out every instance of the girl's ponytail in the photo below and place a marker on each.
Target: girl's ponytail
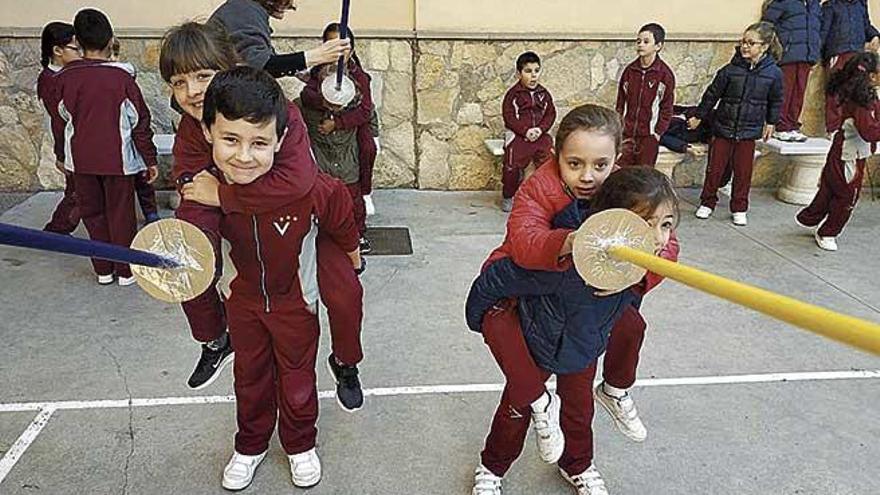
(853, 83)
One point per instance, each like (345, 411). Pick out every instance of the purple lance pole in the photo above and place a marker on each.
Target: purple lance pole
(12, 235)
(343, 34)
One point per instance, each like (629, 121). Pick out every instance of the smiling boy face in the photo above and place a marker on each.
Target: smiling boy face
(243, 150)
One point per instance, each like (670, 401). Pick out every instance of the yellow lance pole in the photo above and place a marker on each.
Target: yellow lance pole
(613, 249)
(856, 332)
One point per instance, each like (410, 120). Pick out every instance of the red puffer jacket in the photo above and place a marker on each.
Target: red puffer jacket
(532, 242)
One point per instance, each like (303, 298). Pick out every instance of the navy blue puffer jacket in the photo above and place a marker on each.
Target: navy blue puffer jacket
(846, 27)
(747, 98)
(565, 325)
(799, 26)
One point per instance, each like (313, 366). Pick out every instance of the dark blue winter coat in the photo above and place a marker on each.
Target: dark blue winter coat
(565, 325)
(846, 27)
(799, 26)
(747, 98)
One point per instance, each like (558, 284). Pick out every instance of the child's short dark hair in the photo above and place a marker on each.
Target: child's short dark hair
(93, 29)
(640, 189)
(54, 34)
(656, 30)
(245, 93)
(194, 46)
(527, 58)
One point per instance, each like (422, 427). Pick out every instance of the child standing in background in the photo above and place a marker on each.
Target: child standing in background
(337, 147)
(798, 24)
(749, 89)
(855, 87)
(846, 27)
(357, 117)
(107, 139)
(58, 48)
(645, 98)
(529, 114)
(143, 188)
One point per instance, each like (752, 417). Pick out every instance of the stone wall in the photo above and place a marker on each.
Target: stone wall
(437, 99)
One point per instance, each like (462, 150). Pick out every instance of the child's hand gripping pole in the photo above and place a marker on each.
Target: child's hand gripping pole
(613, 250)
(340, 90)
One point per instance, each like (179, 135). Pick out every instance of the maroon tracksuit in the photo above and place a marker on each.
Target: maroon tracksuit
(66, 216)
(271, 296)
(355, 118)
(533, 245)
(795, 77)
(645, 97)
(524, 109)
(291, 177)
(107, 141)
(842, 175)
(833, 112)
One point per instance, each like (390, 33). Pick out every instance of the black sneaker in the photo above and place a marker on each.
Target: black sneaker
(210, 364)
(348, 387)
(365, 246)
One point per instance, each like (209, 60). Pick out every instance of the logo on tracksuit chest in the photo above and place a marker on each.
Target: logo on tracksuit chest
(282, 224)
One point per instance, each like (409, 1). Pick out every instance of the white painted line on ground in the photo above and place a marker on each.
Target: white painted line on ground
(444, 389)
(24, 441)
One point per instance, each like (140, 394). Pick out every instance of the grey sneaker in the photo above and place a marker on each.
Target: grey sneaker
(485, 482)
(589, 482)
(506, 204)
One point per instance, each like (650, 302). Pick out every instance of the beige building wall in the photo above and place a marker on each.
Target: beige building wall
(695, 19)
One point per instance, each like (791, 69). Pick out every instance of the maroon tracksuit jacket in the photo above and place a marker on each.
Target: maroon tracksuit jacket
(107, 140)
(66, 216)
(644, 100)
(524, 109)
(291, 178)
(271, 291)
(844, 170)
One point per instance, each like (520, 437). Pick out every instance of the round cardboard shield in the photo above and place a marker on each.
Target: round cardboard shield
(615, 227)
(341, 96)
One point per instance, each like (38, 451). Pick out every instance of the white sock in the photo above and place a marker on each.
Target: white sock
(541, 403)
(613, 391)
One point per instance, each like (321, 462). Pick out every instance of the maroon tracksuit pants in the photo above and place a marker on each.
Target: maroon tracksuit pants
(833, 112)
(525, 383)
(518, 154)
(726, 156)
(340, 288)
(639, 151)
(274, 375)
(360, 207)
(66, 216)
(836, 199)
(366, 158)
(795, 77)
(106, 204)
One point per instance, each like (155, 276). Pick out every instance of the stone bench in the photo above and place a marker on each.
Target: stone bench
(806, 161)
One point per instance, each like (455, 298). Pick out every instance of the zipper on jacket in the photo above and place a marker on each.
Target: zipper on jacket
(262, 265)
(534, 105)
(639, 106)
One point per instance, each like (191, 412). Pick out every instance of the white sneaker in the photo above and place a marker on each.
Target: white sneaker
(786, 136)
(726, 189)
(105, 279)
(740, 219)
(126, 281)
(368, 202)
(799, 137)
(485, 482)
(589, 482)
(239, 472)
(305, 469)
(548, 433)
(623, 412)
(826, 243)
(703, 212)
